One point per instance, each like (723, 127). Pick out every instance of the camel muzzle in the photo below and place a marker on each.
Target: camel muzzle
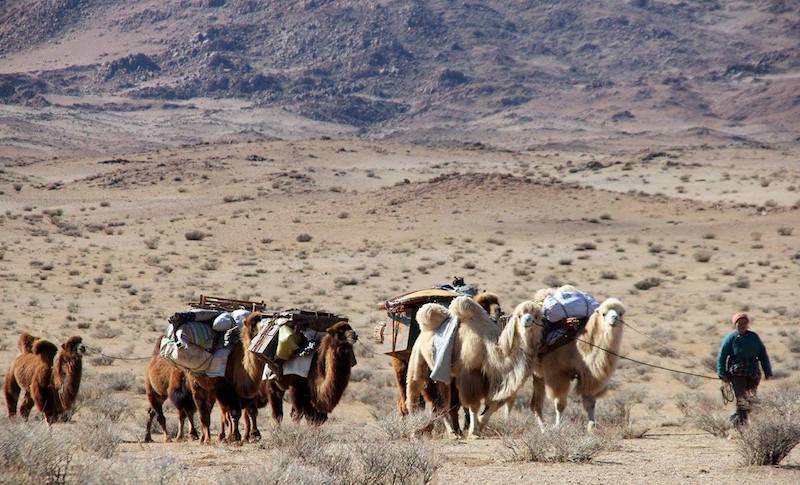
(613, 318)
(82, 349)
(351, 337)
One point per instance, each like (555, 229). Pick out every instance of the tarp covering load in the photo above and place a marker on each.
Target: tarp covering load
(401, 331)
(566, 314)
(568, 304)
(199, 340)
(289, 334)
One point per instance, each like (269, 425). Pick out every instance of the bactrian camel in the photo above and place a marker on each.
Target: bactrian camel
(49, 377)
(163, 381)
(313, 398)
(433, 392)
(489, 364)
(582, 360)
(242, 381)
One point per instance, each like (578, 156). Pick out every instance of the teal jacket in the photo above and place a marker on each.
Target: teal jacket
(739, 355)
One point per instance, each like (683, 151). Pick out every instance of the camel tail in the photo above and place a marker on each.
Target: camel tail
(465, 308)
(431, 315)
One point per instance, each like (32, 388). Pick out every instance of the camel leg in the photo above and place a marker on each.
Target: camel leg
(441, 397)
(150, 415)
(483, 417)
(26, 405)
(224, 422)
(157, 408)
(275, 398)
(561, 404)
(509, 405)
(252, 414)
(537, 400)
(400, 368)
(181, 425)
(12, 390)
(455, 406)
(204, 403)
(192, 429)
(588, 405)
(246, 419)
(474, 417)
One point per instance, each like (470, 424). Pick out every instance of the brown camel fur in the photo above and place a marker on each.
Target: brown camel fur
(50, 377)
(590, 366)
(489, 364)
(163, 381)
(433, 392)
(242, 381)
(315, 397)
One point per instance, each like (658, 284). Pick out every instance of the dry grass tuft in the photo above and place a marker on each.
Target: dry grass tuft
(567, 443)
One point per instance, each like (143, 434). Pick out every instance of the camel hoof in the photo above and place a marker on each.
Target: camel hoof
(591, 426)
(471, 437)
(148, 439)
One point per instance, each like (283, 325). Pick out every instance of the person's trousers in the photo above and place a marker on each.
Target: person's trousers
(744, 388)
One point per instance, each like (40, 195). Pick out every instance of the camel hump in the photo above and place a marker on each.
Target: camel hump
(25, 343)
(465, 308)
(45, 350)
(431, 315)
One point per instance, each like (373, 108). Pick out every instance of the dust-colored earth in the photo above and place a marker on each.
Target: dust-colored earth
(96, 246)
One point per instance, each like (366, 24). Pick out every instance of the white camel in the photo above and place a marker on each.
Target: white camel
(585, 360)
(489, 364)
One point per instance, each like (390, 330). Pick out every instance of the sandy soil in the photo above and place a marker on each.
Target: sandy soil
(95, 245)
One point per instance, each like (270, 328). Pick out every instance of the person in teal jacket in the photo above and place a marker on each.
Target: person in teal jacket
(740, 355)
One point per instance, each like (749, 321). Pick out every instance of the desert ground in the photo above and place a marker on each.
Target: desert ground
(100, 246)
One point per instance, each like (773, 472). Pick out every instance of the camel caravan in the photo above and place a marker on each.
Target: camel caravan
(451, 347)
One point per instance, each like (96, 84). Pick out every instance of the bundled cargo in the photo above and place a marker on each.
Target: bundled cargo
(194, 337)
(399, 334)
(288, 333)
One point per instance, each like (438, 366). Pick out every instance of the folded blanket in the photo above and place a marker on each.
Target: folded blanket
(443, 341)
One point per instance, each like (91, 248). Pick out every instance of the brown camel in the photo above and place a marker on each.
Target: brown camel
(434, 393)
(315, 397)
(50, 377)
(163, 381)
(242, 381)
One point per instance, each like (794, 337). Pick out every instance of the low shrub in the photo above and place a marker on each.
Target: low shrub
(567, 443)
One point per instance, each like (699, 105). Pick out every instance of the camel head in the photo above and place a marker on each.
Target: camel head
(250, 326)
(612, 312)
(342, 335)
(431, 315)
(74, 346)
(491, 303)
(528, 318)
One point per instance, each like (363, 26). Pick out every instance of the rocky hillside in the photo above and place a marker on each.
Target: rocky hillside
(385, 64)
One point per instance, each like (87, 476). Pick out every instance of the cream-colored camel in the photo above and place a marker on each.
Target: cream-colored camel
(489, 364)
(585, 362)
